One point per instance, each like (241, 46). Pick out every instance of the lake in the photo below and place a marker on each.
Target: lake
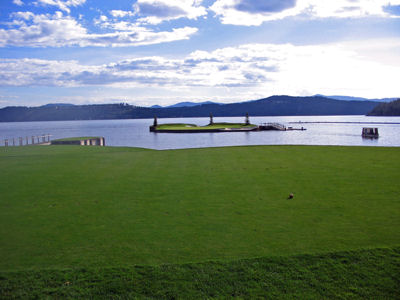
(135, 132)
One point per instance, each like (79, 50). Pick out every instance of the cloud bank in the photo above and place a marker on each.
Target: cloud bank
(57, 30)
(157, 11)
(265, 68)
(63, 5)
(137, 27)
(255, 12)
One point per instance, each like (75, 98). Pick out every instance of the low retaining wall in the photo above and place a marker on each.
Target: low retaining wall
(85, 142)
(153, 129)
(262, 127)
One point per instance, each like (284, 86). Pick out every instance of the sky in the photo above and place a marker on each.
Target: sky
(148, 52)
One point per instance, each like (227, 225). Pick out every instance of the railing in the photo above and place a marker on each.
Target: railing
(24, 141)
(277, 126)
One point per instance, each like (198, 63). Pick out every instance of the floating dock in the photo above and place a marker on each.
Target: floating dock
(369, 132)
(261, 127)
(277, 126)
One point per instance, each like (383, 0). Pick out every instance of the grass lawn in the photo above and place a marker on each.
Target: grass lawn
(67, 211)
(362, 274)
(180, 126)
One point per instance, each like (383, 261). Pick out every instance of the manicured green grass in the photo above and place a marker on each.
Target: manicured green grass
(62, 206)
(180, 126)
(363, 274)
(68, 208)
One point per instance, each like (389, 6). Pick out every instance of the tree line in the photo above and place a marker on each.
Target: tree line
(271, 106)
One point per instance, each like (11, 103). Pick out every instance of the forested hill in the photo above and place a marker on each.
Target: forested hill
(387, 109)
(272, 106)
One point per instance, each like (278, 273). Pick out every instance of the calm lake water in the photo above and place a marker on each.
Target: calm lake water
(135, 133)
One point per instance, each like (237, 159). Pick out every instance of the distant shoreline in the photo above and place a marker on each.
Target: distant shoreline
(271, 106)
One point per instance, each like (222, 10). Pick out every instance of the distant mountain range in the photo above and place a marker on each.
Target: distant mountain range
(349, 98)
(271, 106)
(185, 104)
(58, 104)
(343, 98)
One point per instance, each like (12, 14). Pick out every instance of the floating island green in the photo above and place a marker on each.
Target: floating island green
(218, 127)
(211, 127)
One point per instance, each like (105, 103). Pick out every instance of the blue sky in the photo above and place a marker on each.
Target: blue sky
(147, 52)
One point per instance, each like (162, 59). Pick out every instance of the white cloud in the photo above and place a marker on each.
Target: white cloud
(44, 30)
(64, 5)
(247, 70)
(335, 69)
(224, 67)
(23, 72)
(121, 13)
(255, 12)
(157, 11)
(18, 2)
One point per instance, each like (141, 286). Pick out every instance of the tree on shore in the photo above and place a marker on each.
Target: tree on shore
(211, 119)
(386, 109)
(155, 121)
(247, 120)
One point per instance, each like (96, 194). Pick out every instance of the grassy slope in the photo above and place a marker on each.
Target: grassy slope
(179, 126)
(90, 207)
(364, 274)
(109, 206)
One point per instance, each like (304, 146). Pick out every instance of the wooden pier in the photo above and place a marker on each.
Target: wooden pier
(43, 139)
(277, 126)
(272, 126)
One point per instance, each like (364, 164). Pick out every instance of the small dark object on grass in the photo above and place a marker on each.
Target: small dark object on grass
(290, 196)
